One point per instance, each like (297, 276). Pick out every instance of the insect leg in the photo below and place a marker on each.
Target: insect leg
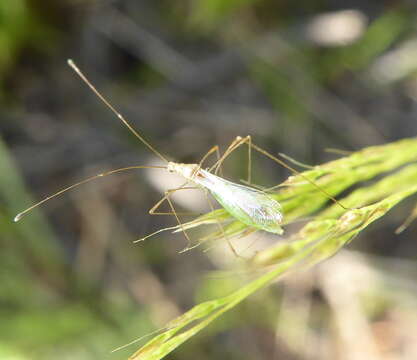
(222, 229)
(247, 139)
(219, 161)
(167, 194)
(215, 149)
(284, 164)
(172, 212)
(218, 169)
(238, 141)
(153, 211)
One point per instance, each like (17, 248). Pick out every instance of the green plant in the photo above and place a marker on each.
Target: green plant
(320, 238)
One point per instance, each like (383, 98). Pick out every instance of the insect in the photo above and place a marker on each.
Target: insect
(250, 206)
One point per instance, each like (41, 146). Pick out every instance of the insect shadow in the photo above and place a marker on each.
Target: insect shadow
(251, 206)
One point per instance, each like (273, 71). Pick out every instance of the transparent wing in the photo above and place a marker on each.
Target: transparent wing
(258, 205)
(250, 206)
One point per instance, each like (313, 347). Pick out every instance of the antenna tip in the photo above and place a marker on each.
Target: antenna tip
(17, 217)
(71, 63)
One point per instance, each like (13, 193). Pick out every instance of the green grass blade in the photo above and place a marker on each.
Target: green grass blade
(319, 239)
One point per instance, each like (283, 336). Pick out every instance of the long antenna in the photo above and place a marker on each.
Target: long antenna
(21, 214)
(111, 107)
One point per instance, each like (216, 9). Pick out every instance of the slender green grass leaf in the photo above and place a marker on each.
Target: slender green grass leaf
(319, 239)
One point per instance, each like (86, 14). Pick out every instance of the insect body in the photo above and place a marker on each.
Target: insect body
(248, 205)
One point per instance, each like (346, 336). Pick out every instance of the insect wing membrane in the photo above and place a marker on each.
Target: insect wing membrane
(250, 206)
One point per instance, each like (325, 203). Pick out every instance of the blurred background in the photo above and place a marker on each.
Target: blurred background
(299, 76)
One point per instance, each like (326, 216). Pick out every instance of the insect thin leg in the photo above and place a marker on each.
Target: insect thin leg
(217, 164)
(212, 207)
(177, 218)
(220, 166)
(233, 146)
(214, 149)
(272, 157)
(153, 211)
(220, 226)
(219, 161)
(173, 212)
(239, 141)
(247, 232)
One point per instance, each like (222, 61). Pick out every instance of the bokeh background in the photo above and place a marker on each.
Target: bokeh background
(299, 76)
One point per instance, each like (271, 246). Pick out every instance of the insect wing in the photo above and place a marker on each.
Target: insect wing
(251, 206)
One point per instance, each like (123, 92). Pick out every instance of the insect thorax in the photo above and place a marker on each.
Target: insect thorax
(188, 171)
